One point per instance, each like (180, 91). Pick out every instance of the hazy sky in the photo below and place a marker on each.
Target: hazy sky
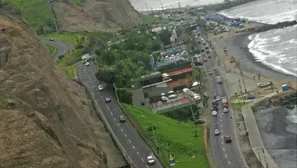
(141, 4)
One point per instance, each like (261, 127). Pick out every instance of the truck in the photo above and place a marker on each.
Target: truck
(219, 79)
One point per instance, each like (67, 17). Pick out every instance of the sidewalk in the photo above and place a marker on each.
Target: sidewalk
(254, 136)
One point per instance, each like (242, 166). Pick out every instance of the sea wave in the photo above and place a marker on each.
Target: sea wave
(292, 115)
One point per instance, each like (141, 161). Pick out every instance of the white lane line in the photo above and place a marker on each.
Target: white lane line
(138, 153)
(118, 124)
(221, 130)
(229, 162)
(129, 140)
(147, 166)
(133, 146)
(142, 159)
(221, 120)
(111, 113)
(224, 149)
(225, 155)
(101, 97)
(222, 125)
(122, 130)
(222, 142)
(115, 119)
(126, 135)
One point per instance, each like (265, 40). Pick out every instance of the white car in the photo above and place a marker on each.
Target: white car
(100, 87)
(225, 110)
(216, 132)
(172, 96)
(150, 160)
(218, 98)
(214, 113)
(87, 63)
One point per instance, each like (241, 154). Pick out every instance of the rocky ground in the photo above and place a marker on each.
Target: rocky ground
(45, 118)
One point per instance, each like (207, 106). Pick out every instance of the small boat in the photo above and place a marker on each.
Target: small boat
(263, 84)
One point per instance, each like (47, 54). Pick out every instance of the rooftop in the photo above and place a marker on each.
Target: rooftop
(181, 71)
(177, 83)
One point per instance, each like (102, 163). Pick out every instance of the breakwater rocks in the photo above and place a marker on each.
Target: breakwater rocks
(288, 100)
(280, 25)
(227, 5)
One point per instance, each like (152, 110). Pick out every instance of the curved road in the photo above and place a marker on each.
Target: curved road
(136, 149)
(62, 47)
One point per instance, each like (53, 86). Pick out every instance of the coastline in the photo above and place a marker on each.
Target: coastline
(237, 46)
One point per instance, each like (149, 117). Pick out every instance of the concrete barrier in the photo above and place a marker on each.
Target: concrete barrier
(138, 128)
(205, 138)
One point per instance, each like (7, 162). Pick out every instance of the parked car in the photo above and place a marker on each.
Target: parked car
(87, 64)
(216, 132)
(225, 106)
(214, 113)
(227, 139)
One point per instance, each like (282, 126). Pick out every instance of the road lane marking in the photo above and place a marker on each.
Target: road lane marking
(111, 113)
(222, 136)
(225, 155)
(133, 146)
(147, 166)
(118, 124)
(229, 162)
(138, 153)
(142, 159)
(222, 131)
(224, 149)
(222, 142)
(122, 130)
(129, 140)
(222, 125)
(125, 135)
(115, 119)
(101, 96)
(221, 120)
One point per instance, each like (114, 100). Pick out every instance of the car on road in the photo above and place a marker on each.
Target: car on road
(225, 110)
(87, 64)
(122, 119)
(214, 113)
(227, 139)
(215, 108)
(224, 100)
(217, 132)
(151, 160)
(100, 87)
(52, 39)
(218, 98)
(107, 100)
(225, 106)
(210, 72)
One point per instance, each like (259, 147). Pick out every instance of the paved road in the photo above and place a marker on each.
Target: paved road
(133, 144)
(62, 47)
(225, 155)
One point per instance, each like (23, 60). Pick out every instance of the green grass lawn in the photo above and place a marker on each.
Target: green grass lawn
(66, 37)
(35, 12)
(189, 151)
(52, 50)
(239, 105)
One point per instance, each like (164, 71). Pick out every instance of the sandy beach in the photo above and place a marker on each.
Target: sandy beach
(236, 44)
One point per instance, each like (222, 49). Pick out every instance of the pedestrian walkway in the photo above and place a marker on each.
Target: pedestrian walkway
(254, 135)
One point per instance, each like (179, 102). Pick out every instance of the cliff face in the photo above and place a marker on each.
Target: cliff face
(95, 15)
(45, 120)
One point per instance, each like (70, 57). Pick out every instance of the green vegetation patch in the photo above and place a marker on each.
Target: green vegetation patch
(37, 13)
(173, 137)
(66, 37)
(52, 50)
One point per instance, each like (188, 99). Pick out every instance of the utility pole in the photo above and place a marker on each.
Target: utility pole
(155, 138)
(238, 64)
(146, 7)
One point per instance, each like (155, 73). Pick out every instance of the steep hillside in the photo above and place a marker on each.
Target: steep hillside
(45, 120)
(94, 15)
(77, 15)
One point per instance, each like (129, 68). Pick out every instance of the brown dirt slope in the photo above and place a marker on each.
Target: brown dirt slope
(95, 15)
(45, 120)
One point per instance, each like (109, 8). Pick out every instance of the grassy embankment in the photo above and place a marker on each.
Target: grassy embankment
(52, 50)
(188, 150)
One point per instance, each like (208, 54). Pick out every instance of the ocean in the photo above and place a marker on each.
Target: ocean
(277, 48)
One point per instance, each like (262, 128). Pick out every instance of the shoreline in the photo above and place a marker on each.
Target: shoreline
(237, 46)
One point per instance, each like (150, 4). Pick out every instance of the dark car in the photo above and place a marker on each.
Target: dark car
(227, 139)
(122, 119)
(225, 105)
(215, 108)
(107, 100)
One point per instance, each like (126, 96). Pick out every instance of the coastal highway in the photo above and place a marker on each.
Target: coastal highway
(135, 147)
(226, 155)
